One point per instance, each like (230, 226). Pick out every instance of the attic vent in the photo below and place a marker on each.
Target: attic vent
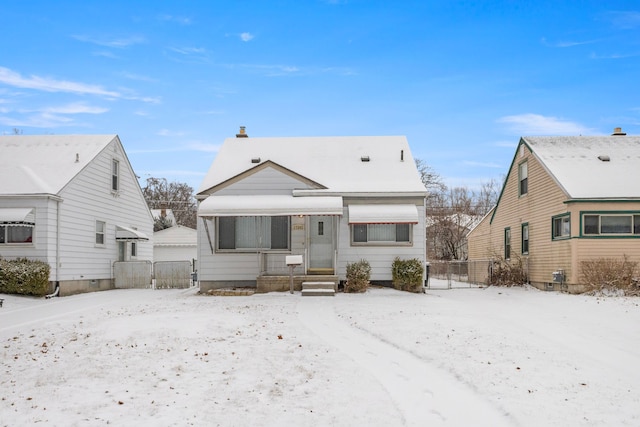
(364, 158)
(77, 157)
(402, 155)
(618, 132)
(255, 160)
(604, 158)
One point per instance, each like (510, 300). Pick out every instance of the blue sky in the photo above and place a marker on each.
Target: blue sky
(462, 80)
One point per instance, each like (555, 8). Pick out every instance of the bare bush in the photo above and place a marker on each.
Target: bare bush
(507, 272)
(610, 276)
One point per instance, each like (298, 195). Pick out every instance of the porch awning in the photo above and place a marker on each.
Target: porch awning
(270, 205)
(17, 216)
(126, 233)
(383, 214)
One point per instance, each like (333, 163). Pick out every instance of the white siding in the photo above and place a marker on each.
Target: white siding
(87, 198)
(379, 257)
(266, 181)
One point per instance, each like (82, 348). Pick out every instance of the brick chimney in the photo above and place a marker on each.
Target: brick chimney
(242, 133)
(618, 132)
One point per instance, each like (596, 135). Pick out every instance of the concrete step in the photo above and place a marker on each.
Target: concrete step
(319, 285)
(318, 292)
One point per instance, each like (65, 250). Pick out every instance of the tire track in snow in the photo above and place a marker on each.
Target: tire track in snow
(422, 393)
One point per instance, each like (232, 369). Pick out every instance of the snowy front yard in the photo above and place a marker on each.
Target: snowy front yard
(451, 357)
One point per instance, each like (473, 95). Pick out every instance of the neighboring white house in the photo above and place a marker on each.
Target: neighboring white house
(72, 201)
(177, 243)
(333, 200)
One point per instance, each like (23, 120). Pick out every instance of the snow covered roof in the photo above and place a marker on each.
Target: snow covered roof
(44, 164)
(178, 235)
(591, 167)
(347, 164)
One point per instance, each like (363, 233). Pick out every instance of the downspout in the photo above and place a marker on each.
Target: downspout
(57, 290)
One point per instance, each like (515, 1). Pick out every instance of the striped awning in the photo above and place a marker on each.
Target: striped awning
(17, 216)
(383, 214)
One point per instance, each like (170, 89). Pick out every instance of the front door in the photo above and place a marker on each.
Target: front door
(321, 244)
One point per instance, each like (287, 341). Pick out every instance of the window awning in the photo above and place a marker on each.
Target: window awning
(17, 216)
(383, 214)
(269, 205)
(126, 233)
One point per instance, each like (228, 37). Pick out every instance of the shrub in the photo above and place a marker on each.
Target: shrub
(507, 272)
(610, 276)
(407, 274)
(25, 277)
(358, 275)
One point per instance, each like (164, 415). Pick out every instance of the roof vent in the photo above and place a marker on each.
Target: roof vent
(604, 158)
(364, 158)
(77, 157)
(242, 133)
(618, 132)
(255, 160)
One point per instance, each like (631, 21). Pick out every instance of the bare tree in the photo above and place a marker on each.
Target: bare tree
(430, 178)
(177, 196)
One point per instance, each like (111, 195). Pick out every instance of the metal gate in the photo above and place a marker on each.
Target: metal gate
(132, 274)
(172, 274)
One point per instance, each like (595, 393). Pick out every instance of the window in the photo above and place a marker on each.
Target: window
(320, 228)
(134, 249)
(561, 227)
(523, 179)
(611, 224)
(18, 233)
(100, 228)
(525, 238)
(251, 233)
(507, 243)
(115, 175)
(381, 233)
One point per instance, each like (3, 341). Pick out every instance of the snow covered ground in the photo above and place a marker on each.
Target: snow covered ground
(482, 357)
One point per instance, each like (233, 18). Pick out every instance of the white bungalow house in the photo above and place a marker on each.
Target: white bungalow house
(333, 200)
(72, 201)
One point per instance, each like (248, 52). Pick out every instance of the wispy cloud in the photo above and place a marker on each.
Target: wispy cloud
(177, 19)
(625, 20)
(48, 84)
(277, 70)
(566, 43)
(536, 124)
(613, 55)
(205, 147)
(75, 108)
(119, 43)
(245, 37)
(190, 54)
(137, 77)
(192, 146)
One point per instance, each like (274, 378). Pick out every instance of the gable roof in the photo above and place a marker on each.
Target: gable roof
(44, 164)
(335, 163)
(575, 164)
(178, 235)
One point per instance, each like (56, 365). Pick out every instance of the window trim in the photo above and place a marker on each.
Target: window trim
(381, 242)
(115, 175)
(4, 229)
(600, 235)
(525, 226)
(553, 226)
(507, 243)
(251, 250)
(520, 179)
(103, 233)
